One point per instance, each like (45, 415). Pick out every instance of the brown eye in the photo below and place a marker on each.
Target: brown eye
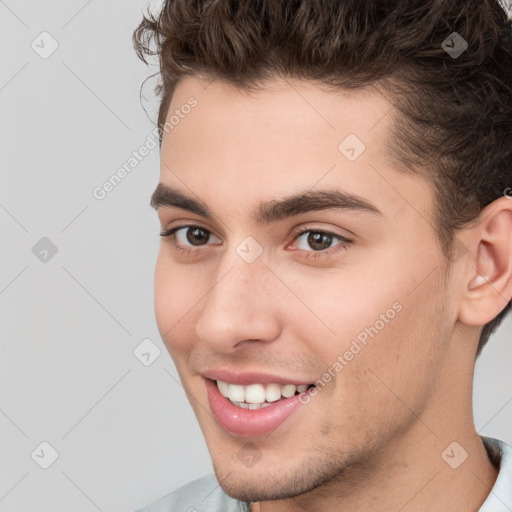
(197, 236)
(318, 243)
(318, 240)
(189, 236)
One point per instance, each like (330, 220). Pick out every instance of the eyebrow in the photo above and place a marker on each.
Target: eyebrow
(273, 210)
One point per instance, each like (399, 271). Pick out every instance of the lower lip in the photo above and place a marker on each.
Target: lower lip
(249, 422)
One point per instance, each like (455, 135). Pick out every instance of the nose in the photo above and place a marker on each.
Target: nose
(240, 309)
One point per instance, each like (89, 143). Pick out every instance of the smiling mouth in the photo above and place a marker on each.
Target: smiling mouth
(258, 396)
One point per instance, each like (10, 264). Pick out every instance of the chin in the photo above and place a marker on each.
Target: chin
(260, 484)
(250, 490)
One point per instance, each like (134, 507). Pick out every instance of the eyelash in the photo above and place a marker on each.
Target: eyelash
(344, 242)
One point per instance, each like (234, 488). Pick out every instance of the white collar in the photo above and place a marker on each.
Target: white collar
(500, 496)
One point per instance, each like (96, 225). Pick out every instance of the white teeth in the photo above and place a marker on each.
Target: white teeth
(258, 406)
(272, 392)
(288, 390)
(256, 396)
(243, 405)
(223, 388)
(236, 393)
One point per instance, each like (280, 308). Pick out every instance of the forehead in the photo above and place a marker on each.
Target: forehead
(304, 105)
(289, 136)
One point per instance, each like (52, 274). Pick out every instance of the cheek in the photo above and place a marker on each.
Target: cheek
(367, 300)
(400, 362)
(334, 307)
(389, 329)
(176, 292)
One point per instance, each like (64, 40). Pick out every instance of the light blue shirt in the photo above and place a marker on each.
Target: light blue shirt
(205, 494)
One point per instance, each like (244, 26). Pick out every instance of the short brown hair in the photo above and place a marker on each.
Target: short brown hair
(456, 110)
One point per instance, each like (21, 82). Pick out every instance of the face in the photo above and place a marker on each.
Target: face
(339, 290)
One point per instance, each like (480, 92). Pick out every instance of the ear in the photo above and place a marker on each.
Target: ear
(488, 276)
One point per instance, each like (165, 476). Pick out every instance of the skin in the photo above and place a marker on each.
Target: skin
(372, 438)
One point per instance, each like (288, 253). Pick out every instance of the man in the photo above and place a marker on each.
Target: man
(336, 247)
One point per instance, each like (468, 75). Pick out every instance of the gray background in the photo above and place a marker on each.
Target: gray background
(124, 432)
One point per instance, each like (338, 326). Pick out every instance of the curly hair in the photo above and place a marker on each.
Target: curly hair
(455, 122)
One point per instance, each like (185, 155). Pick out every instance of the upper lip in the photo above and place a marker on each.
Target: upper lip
(252, 377)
